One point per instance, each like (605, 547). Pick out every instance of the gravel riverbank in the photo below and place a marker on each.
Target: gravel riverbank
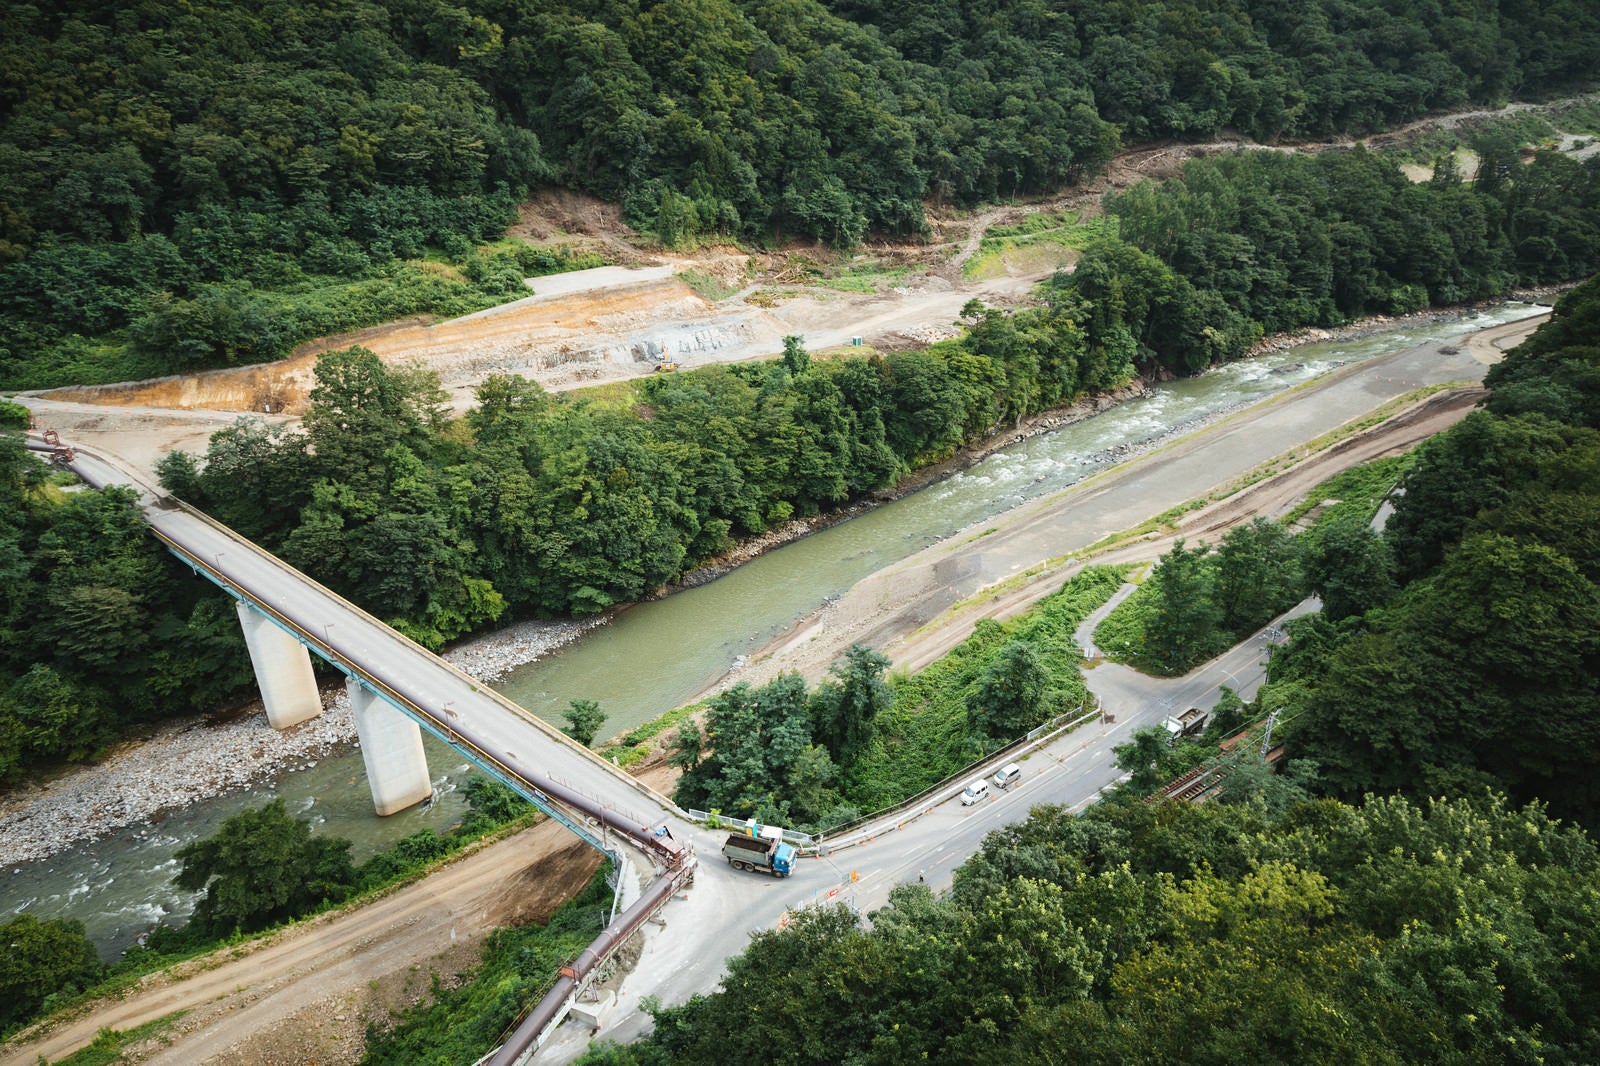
(137, 783)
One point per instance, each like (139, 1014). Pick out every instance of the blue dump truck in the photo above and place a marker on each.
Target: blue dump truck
(760, 847)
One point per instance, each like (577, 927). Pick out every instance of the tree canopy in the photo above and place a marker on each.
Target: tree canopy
(1250, 243)
(100, 629)
(1389, 931)
(261, 867)
(1483, 667)
(184, 186)
(42, 959)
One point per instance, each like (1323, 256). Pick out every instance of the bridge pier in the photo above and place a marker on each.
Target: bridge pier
(283, 669)
(391, 748)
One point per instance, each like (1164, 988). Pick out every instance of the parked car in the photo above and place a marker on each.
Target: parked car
(1009, 775)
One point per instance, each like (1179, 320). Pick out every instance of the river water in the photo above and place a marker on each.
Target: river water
(658, 655)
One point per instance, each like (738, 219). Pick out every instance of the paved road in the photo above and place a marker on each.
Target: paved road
(1073, 770)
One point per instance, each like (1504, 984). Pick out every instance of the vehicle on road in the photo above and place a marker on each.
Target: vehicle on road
(760, 847)
(976, 789)
(1008, 775)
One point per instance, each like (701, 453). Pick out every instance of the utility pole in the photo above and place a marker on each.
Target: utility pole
(1266, 740)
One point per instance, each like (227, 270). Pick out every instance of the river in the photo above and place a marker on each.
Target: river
(658, 655)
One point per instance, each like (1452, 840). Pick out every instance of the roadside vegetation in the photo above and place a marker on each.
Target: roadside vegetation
(461, 1023)
(1389, 930)
(861, 741)
(1004, 680)
(1414, 885)
(1199, 602)
(1203, 599)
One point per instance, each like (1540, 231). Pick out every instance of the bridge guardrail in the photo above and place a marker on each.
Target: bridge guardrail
(159, 507)
(534, 1026)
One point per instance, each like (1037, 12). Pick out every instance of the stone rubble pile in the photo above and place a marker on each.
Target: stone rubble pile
(200, 758)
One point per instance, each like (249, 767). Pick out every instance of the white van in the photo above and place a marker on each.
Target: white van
(1009, 775)
(976, 789)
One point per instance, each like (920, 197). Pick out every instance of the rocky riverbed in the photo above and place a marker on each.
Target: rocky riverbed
(137, 783)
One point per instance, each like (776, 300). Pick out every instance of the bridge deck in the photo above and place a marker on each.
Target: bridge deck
(473, 718)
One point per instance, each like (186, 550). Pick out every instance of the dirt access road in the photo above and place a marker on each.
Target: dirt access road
(308, 994)
(920, 607)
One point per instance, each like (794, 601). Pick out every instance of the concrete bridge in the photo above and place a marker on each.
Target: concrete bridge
(287, 617)
(397, 688)
(396, 685)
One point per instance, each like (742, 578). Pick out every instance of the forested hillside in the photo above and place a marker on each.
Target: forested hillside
(1458, 649)
(101, 630)
(192, 185)
(1262, 242)
(1468, 652)
(1386, 932)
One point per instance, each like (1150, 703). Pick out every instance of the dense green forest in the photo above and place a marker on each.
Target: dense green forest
(1469, 654)
(194, 185)
(1389, 931)
(1254, 242)
(101, 630)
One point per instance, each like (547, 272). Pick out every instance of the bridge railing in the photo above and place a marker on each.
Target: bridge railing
(534, 1026)
(313, 640)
